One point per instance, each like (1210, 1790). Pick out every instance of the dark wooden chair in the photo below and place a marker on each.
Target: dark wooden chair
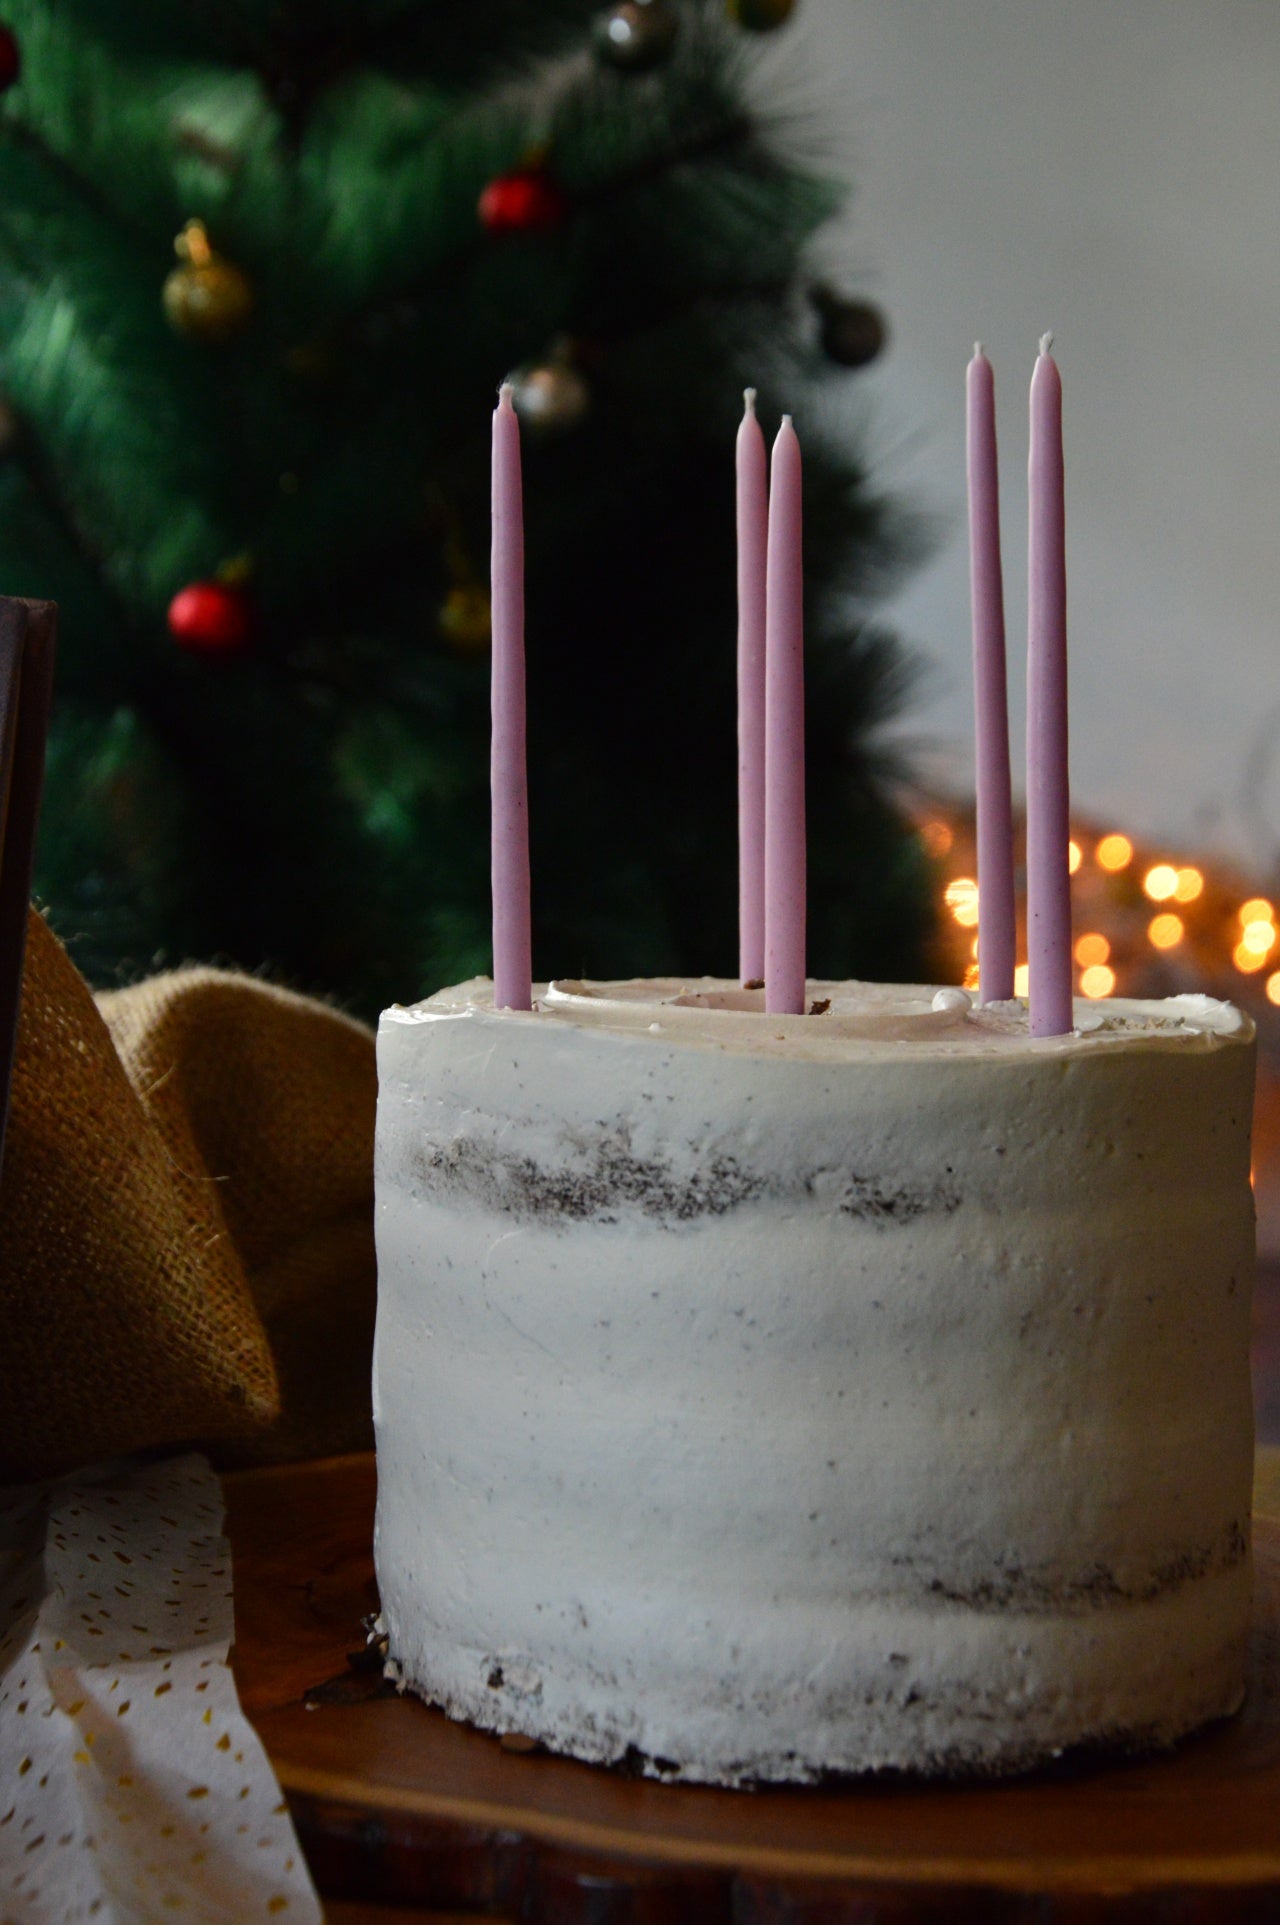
(28, 632)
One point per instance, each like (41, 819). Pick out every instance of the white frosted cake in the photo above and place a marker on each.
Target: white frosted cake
(763, 1396)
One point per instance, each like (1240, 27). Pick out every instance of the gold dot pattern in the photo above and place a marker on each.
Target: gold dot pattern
(131, 1785)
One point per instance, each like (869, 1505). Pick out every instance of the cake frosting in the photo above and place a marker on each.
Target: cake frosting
(765, 1396)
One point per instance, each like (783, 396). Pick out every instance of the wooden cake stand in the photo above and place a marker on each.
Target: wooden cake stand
(395, 1803)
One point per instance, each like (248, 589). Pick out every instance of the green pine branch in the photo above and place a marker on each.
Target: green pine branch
(127, 425)
(319, 805)
(377, 194)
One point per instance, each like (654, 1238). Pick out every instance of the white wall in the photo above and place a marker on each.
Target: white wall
(1110, 170)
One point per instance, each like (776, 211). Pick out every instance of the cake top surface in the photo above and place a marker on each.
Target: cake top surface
(845, 1020)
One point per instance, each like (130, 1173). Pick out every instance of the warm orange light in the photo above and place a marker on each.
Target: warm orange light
(1273, 987)
(937, 837)
(1247, 960)
(1257, 909)
(971, 976)
(1165, 931)
(1190, 884)
(1097, 981)
(1161, 882)
(1021, 980)
(961, 897)
(1092, 950)
(973, 947)
(1075, 856)
(1114, 852)
(1260, 937)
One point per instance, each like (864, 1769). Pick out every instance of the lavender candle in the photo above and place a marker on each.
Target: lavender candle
(753, 535)
(512, 966)
(997, 924)
(1048, 826)
(784, 842)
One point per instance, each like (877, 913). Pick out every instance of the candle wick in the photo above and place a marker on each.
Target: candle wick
(786, 421)
(506, 395)
(1046, 342)
(977, 350)
(749, 399)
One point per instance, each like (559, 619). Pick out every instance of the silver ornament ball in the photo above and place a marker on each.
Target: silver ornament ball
(550, 397)
(636, 35)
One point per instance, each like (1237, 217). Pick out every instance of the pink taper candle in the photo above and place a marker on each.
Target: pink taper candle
(997, 926)
(753, 535)
(512, 969)
(784, 834)
(1048, 812)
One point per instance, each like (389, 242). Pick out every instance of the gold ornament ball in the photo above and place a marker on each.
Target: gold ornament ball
(761, 16)
(466, 619)
(206, 297)
(210, 303)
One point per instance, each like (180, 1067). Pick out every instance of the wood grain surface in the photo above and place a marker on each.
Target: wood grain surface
(396, 1804)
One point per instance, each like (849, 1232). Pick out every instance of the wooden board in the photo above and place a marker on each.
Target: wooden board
(394, 1802)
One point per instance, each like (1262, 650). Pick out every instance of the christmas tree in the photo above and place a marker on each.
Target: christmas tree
(255, 476)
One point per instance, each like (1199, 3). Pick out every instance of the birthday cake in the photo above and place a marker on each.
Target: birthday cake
(765, 1396)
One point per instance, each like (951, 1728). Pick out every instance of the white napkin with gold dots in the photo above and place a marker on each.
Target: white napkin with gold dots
(132, 1786)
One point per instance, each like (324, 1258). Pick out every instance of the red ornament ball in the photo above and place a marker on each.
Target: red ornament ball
(10, 59)
(212, 619)
(522, 202)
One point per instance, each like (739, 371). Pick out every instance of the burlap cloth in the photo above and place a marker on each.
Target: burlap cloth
(186, 1220)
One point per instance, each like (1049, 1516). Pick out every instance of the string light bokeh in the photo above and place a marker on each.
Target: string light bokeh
(1147, 922)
